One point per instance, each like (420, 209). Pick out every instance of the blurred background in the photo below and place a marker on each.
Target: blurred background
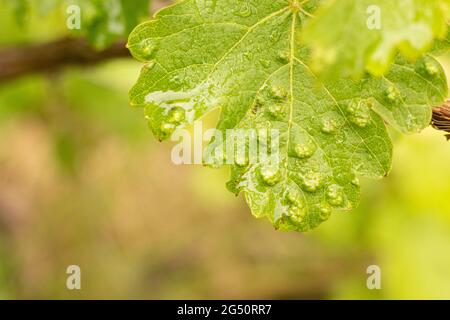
(82, 181)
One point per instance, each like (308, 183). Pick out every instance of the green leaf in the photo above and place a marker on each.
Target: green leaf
(441, 46)
(20, 9)
(102, 21)
(351, 36)
(245, 58)
(105, 21)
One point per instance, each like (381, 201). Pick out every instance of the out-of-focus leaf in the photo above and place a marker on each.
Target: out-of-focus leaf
(102, 21)
(352, 36)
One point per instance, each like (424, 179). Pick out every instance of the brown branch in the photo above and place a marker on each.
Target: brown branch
(441, 118)
(16, 62)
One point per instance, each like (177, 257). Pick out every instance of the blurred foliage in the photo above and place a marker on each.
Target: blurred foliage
(83, 182)
(101, 21)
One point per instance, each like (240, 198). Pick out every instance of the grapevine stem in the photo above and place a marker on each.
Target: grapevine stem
(441, 118)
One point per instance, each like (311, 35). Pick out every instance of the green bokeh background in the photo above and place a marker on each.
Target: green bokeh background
(82, 181)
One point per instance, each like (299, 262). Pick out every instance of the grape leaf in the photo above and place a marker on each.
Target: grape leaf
(245, 58)
(102, 21)
(366, 34)
(441, 46)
